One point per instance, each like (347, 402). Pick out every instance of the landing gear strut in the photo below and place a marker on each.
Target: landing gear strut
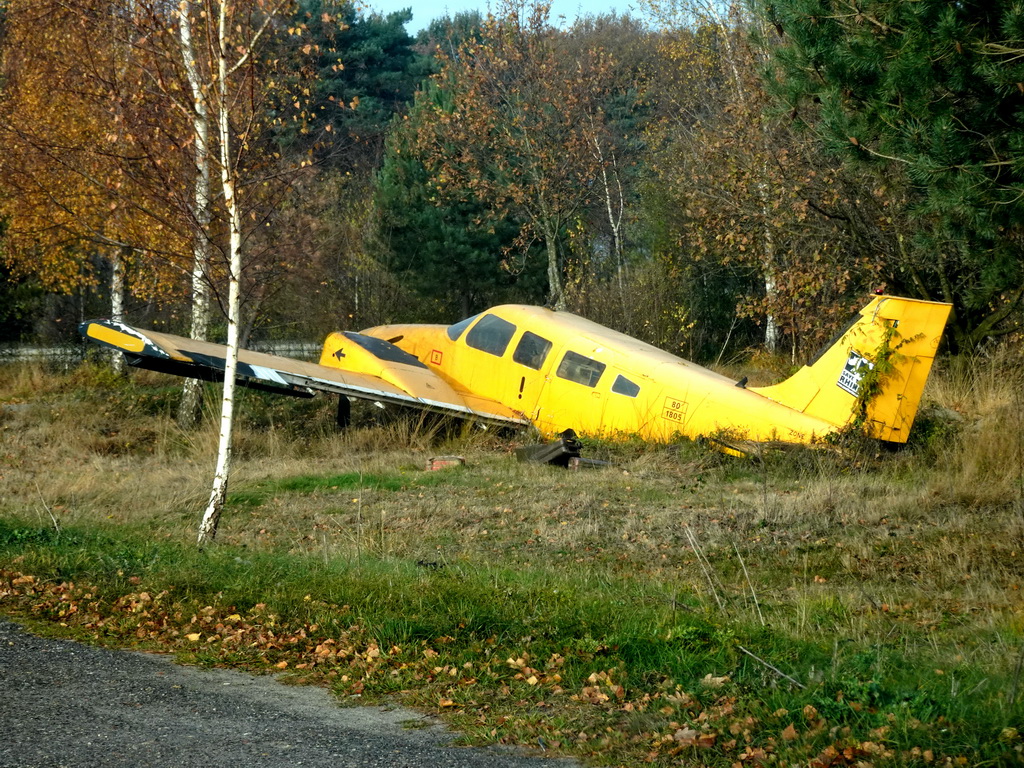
(344, 417)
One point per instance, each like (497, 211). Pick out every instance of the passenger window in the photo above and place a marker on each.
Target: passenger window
(531, 351)
(624, 386)
(491, 334)
(580, 369)
(454, 331)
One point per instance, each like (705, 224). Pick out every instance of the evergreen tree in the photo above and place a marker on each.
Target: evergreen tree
(930, 92)
(378, 78)
(453, 255)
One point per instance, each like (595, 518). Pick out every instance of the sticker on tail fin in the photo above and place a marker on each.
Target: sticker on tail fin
(856, 366)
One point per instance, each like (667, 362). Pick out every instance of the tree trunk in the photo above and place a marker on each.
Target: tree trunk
(218, 495)
(211, 518)
(118, 253)
(768, 270)
(614, 208)
(190, 408)
(556, 294)
(117, 302)
(771, 328)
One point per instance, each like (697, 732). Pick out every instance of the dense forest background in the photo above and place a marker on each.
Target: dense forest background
(710, 177)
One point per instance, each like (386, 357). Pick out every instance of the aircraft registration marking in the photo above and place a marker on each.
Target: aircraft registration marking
(674, 410)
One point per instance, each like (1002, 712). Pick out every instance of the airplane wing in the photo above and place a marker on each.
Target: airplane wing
(386, 374)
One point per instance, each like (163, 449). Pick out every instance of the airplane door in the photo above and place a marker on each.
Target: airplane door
(527, 372)
(481, 364)
(501, 363)
(573, 399)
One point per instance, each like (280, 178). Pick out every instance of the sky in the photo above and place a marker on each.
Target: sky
(424, 11)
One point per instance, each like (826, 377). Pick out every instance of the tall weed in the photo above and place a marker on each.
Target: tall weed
(978, 440)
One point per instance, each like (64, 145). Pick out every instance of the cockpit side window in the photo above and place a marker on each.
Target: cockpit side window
(624, 386)
(582, 370)
(531, 350)
(457, 329)
(491, 334)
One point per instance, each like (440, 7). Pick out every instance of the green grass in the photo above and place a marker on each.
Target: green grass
(259, 493)
(483, 616)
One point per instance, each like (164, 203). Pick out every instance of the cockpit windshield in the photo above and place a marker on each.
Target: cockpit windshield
(382, 350)
(457, 329)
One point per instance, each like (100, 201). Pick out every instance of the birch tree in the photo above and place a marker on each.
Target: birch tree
(191, 401)
(607, 245)
(763, 225)
(246, 97)
(156, 101)
(228, 66)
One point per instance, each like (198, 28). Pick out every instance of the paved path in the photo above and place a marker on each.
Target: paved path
(67, 705)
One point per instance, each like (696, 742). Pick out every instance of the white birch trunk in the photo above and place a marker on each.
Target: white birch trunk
(119, 30)
(615, 208)
(190, 409)
(771, 328)
(772, 332)
(117, 301)
(211, 518)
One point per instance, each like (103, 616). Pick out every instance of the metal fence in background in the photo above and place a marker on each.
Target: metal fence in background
(66, 355)
(297, 350)
(61, 355)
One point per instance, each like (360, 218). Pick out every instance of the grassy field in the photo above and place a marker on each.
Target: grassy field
(840, 606)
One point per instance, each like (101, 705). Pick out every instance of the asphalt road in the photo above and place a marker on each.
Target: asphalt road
(67, 705)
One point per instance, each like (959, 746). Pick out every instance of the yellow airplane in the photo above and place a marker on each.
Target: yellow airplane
(521, 365)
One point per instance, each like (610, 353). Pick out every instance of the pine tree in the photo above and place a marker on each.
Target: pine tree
(932, 94)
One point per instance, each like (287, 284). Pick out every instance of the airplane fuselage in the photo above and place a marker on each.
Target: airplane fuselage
(561, 371)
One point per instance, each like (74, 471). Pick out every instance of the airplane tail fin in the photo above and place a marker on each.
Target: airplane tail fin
(874, 372)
